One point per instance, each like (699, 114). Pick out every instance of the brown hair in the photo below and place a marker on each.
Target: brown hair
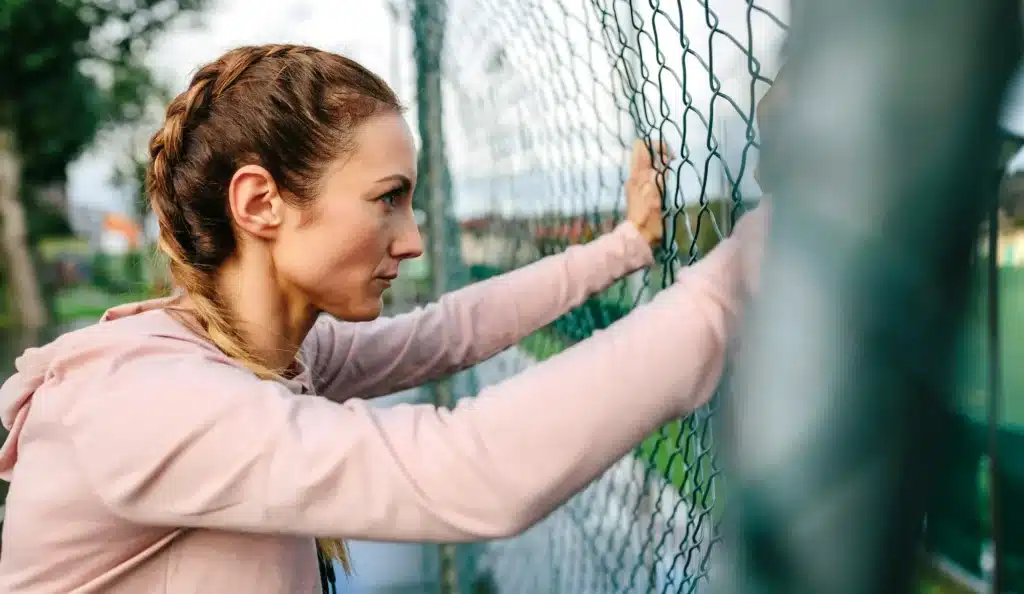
(290, 109)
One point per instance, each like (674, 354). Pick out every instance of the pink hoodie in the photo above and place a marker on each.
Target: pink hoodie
(142, 460)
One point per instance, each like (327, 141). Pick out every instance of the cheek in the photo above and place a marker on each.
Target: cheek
(336, 254)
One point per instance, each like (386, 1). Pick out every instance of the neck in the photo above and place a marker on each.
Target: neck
(274, 321)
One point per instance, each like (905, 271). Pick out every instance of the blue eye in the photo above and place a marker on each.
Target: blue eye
(391, 197)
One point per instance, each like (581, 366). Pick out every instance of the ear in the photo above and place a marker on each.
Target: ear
(256, 205)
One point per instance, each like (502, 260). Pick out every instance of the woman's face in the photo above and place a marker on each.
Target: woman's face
(342, 252)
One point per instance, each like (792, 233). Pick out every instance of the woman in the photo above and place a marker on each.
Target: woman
(177, 446)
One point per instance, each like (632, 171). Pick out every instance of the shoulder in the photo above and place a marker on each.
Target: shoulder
(153, 385)
(155, 407)
(114, 388)
(141, 366)
(147, 339)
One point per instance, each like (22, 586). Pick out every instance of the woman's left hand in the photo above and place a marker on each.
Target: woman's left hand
(644, 190)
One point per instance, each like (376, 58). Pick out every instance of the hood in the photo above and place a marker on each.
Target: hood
(31, 370)
(16, 399)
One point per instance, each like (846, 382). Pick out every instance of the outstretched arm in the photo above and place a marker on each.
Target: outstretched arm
(472, 324)
(363, 360)
(218, 449)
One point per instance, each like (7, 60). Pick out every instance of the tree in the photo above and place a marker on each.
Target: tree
(69, 68)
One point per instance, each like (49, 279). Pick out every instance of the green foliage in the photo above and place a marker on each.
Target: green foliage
(86, 303)
(134, 270)
(47, 47)
(53, 108)
(71, 67)
(44, 220)
(101, 271)
(120, 274)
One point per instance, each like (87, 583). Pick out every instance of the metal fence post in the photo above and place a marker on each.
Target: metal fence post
(428, 22)
(428, 31)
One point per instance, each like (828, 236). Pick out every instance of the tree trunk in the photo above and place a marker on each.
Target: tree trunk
(22, 280)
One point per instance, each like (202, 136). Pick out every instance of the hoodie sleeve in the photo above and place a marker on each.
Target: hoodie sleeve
(175, 438)
(469, 325)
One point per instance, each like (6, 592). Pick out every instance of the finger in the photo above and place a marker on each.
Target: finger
(654, 182)
(652, 178)
(659, 180)
(641, 157)
(663, 154)
(631, 187)
(666, 151)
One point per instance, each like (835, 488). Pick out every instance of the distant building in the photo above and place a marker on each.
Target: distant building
(119, 235)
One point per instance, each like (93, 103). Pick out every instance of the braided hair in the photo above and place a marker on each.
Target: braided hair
(291, 109)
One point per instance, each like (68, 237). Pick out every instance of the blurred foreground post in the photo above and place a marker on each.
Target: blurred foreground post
(849, 356)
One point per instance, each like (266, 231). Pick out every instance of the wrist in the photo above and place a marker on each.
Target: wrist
(639, 244)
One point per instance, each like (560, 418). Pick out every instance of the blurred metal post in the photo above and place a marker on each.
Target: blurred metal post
(833, 441)
(995, 390)
(429, 23)
(429, 30)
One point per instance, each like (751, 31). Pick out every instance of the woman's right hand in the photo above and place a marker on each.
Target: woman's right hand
(645, 188)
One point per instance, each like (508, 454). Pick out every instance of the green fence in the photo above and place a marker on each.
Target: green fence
(542, 100)
(539, 102)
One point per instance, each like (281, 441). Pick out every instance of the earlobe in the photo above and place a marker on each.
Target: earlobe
(255, 202)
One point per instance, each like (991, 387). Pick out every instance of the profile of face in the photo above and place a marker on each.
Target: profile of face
(340, 252)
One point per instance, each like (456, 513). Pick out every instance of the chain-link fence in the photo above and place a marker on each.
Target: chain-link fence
(526, 111)
(541, 101)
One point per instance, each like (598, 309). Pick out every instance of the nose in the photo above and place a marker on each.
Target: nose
(408, 242)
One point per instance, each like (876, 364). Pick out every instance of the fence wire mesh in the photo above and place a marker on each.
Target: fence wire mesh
(542, 100)
(539, 103)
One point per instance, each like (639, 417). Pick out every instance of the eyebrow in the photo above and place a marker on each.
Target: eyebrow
(404, 182)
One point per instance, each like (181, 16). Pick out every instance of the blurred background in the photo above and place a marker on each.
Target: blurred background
(525, 112)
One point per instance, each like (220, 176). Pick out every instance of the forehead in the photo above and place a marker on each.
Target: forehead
(384, 146)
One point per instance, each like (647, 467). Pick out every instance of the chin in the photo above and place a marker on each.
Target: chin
(364, 312)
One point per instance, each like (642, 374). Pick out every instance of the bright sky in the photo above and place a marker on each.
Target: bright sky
(552, 107)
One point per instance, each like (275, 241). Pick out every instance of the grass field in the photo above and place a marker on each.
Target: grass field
(86, 302)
